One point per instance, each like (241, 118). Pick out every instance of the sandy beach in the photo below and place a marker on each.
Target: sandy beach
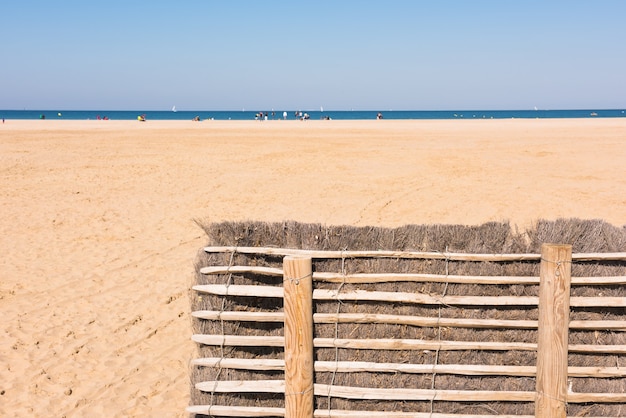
(98, 234)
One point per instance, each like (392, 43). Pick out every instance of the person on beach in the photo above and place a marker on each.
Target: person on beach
(379, 115)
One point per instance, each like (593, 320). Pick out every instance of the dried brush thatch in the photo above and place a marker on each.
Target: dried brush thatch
(490, 238)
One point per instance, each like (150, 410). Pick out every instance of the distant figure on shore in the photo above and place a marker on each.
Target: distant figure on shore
(42, 116)
(285, 115)
(196, 119)
(379, 115)
(141, 118)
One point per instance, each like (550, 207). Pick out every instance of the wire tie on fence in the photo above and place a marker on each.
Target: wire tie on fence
(310, 389)
(296, 280)
(558, 262)
(554, 398)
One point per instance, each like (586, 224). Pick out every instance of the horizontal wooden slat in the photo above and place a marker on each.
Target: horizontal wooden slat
(408, 254)
(236, 411)
(332, 277)
(321, 413)
(393, 344)
(597, 349)
(399, 394)
(365, 318)
(402, 297)
(254, 411)
(363, 344)
(362, 366)
(373, 254)
(346, 392)
(363, 295)
(596, 397)
(332, 318)
(265, 271)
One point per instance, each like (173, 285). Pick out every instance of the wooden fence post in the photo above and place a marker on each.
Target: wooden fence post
(298, 306)
(552, 339)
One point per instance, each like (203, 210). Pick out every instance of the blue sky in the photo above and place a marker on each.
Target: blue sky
(230, 55)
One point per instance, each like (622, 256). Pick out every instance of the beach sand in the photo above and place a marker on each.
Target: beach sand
(98, 238)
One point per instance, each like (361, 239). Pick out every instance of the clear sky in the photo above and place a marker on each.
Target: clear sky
(339, 54)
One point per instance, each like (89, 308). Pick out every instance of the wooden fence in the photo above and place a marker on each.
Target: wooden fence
(551, 372)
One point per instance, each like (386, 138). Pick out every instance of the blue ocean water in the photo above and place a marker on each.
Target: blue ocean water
(316, 114)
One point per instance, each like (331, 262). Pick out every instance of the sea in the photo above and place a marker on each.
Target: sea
(312, 114)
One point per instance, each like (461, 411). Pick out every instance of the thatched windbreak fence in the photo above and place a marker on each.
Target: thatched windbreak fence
(399, 331)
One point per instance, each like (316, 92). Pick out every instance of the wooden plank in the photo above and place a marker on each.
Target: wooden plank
(298, 305)
(363, 344)
(400, 394)
(363, 366)
(596, 398)
(266, 271)
(364, 295)
(242, 316)
(333, 318)
(403, 297)
(615, 256)
(241, 363)
(373, 254)
(242, 386)
(239, 340)
(358, 278)
(598, 281)
(254, 411)
(332, 277)
(598, 302)
(241, 290)
(347, 392)
(393, 344)
(365, 318)
(599, 257)
(598, 325)
(392, 414)
(597, 349)
(236, 411)
(554, 305)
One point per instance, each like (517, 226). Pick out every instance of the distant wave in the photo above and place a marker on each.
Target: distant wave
(317, 114)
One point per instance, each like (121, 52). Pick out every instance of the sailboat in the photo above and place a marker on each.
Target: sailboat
(173, 108)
